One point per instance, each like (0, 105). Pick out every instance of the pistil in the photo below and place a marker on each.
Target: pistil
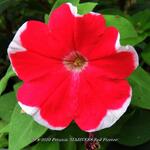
(75, 62)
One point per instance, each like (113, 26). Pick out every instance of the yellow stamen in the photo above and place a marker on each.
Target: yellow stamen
(78, 62)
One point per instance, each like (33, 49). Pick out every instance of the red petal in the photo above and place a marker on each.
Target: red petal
(36, 92)
(61, 25)
(50, 99)
(38, 38)
(106, 44)
(29, 65)
(59, 103)
(60, 107)
(88, 30)
(99, 98)
(117, 66)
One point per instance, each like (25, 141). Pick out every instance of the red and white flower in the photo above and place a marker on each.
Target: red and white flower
(74, 69)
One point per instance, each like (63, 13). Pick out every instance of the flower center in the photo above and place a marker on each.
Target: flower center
(75, 62)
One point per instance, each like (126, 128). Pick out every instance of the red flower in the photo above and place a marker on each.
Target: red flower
(74, 69)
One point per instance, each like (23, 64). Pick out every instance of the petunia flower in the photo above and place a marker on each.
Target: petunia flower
(74, 69)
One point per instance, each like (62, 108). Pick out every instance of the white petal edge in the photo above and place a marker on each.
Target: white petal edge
(15, 45)
(35, 113)
(94, 13)
(29, 110)
(127, 48)
(74, 10)
(117, 45)
(113, 115)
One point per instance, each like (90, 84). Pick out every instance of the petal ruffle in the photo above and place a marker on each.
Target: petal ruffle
(117, 66)
(101, 99)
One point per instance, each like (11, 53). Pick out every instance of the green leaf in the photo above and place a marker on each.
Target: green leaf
(124, 26)
(23, 130)
(141, 77)
(59, 2)
(46, 146)
(141, 20)
(2, 125)
(7, 104)
(136, 130)
(3, 82)
(3, 141)
(146, 54)
(46, 18)
(87, 7)
(134, 40)
(140, 82)
(5, 129)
